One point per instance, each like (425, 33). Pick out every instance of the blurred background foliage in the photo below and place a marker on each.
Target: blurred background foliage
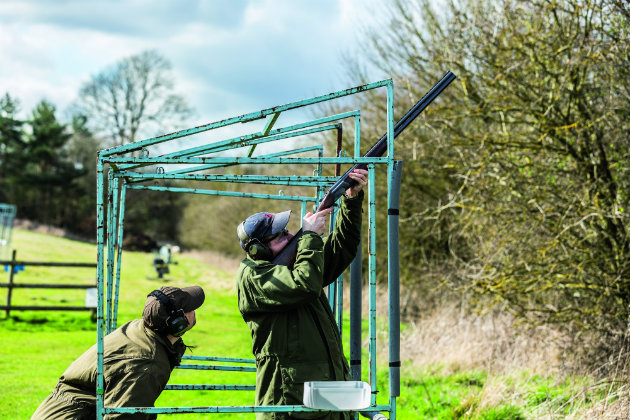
(515, 187)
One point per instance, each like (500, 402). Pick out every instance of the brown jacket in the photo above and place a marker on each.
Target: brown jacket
(137, 364)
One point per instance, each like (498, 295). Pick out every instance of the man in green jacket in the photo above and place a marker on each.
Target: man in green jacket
(294, 335)
(138, 359)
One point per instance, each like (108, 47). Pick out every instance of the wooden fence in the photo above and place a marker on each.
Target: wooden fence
(14, 266)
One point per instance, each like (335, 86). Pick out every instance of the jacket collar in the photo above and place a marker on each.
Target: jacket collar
(175, 351)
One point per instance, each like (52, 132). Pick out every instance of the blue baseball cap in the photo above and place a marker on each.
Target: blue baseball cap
(262, 224)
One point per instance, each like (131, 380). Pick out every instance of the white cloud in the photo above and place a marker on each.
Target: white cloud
(227, 61)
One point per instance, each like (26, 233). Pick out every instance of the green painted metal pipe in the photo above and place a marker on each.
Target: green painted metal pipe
(318, 147)
(100, 239)
(372, 277)
(242, 118)
(182, 387)
(230, 409)
(250, 161)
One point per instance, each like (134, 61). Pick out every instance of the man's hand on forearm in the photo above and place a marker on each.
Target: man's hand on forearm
(316, 222)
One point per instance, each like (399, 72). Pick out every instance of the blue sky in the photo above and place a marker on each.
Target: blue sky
(229, 57)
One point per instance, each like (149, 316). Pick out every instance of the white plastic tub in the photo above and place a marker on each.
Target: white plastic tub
(337, 395)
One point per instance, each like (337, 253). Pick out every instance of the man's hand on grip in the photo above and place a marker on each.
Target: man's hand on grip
(316, 222)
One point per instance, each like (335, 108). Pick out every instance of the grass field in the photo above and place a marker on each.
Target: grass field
(38, 346)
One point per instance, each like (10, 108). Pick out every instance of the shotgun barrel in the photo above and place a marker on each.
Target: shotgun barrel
(287, 255)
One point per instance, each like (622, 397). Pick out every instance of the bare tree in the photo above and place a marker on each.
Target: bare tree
(520, 178)
(135, 96)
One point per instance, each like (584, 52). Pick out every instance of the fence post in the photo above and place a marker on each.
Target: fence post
(10, 289)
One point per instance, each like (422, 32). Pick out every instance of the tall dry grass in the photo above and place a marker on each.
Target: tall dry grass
(453, 338)
(461, 340)
(227, 264)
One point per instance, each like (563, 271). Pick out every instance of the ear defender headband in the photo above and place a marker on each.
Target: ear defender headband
(176, 323)
(253, 246)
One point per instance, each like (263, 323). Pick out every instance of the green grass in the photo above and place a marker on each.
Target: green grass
(38, 346)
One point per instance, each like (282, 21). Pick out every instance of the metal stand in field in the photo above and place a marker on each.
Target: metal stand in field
(7, 215)
(208, 162)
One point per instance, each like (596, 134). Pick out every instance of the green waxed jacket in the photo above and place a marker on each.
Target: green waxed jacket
(294, 335)
(137, 364)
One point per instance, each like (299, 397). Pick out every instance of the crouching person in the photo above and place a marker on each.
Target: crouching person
(138, 358)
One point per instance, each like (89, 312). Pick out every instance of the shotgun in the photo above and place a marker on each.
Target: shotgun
(287, 255)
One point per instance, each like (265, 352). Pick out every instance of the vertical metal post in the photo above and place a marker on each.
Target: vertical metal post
(339, 310)
(393, 198)
(7, 215)
(100, 239)
(336, 289)
(112, 199)
(338, 150)
(390, 121)
(355, 315)
(10, 290)
(372, 275)
(356, 284)
(4, 221)
(332, 287)
(303, 213)
(320, 189)
(3, 224)
(357, 136)
(12, 212)
(392, 257)
(121, 219)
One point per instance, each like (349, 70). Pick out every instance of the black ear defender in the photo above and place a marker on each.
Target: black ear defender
(253, 247)
(176, 323)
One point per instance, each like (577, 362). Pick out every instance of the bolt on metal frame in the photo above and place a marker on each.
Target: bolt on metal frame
(124, 163)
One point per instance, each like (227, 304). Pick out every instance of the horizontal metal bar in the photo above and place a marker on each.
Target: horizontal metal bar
(281, 183)
(258, 138)
(241, 118)
(218, 359)
(230, 409)
(284, 179)
(47, 286)
(210, 387)
(248, 160)
(218, 367)
(48, 264)
(319, 148)
(237, 142)
(223, 193)
(46, 308)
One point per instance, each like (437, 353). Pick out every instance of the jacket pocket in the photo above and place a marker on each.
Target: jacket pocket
(293, 378)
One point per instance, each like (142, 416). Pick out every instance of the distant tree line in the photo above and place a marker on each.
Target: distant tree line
(516, 182)
(47, 168)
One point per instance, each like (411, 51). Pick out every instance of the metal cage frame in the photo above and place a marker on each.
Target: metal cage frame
(124, 164)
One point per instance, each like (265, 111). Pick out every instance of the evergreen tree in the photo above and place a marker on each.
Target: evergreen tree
(48, 174)
(11, 143)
